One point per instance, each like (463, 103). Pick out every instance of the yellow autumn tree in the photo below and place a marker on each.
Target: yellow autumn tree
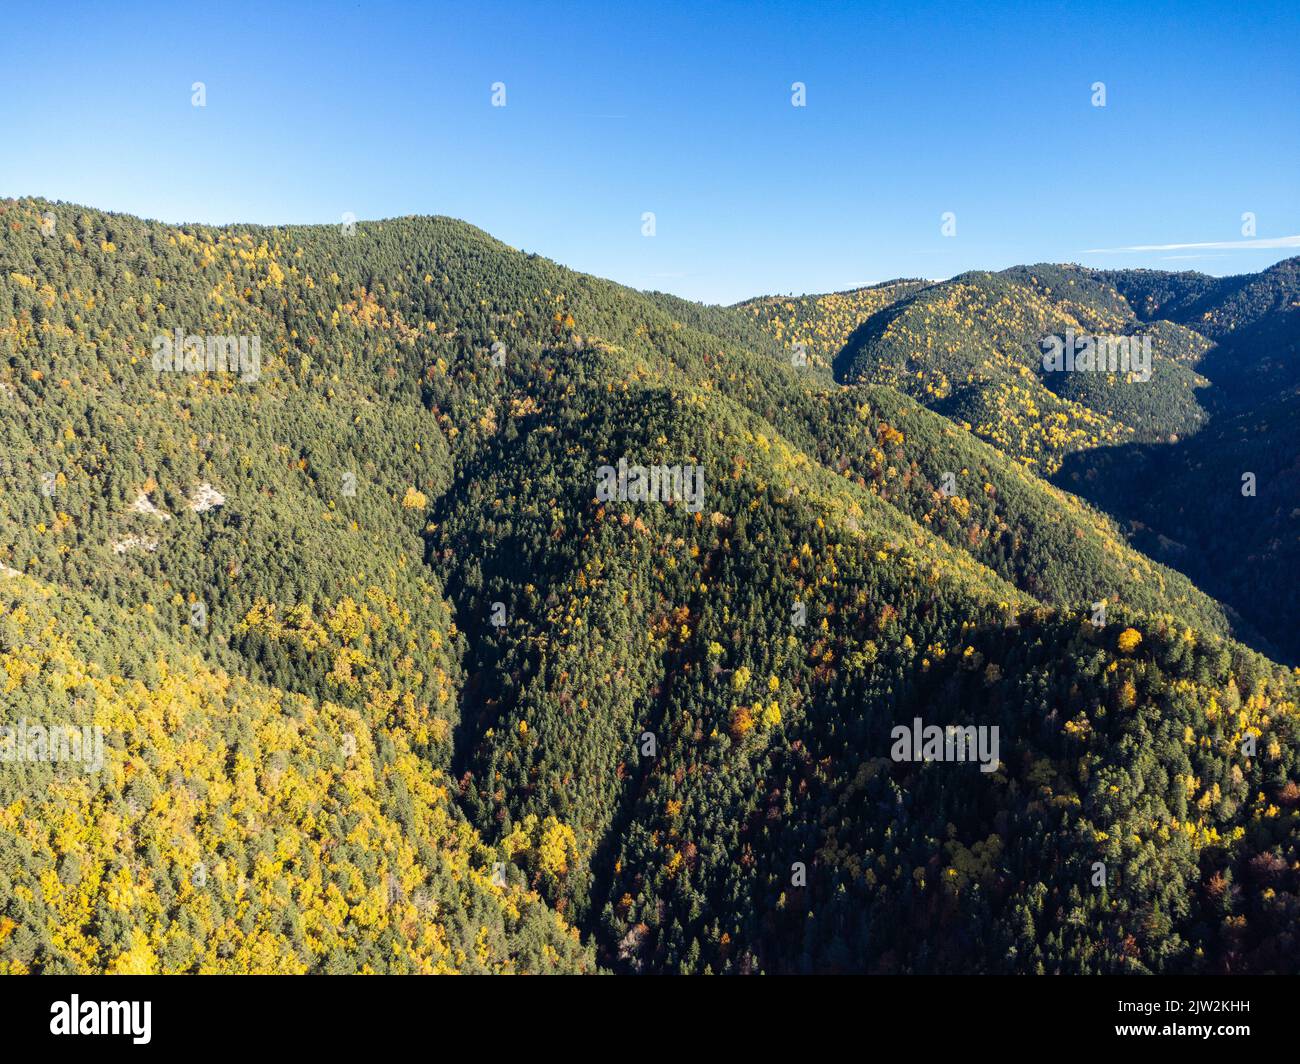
(1129, 640)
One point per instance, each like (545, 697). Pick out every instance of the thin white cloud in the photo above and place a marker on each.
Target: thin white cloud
(1260, 243)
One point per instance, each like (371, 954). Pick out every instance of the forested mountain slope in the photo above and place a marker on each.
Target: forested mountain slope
(229, 827)
(971, 348)
(1252, 319)
(820, 326)
(1224, 506)
(651, 712)
(1171, 464)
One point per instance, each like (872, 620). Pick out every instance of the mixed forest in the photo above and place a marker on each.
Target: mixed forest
(384, 686)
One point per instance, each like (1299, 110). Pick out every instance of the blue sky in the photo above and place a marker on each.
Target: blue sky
(612, 110)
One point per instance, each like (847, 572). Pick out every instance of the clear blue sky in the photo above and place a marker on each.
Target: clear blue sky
(613, 109)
